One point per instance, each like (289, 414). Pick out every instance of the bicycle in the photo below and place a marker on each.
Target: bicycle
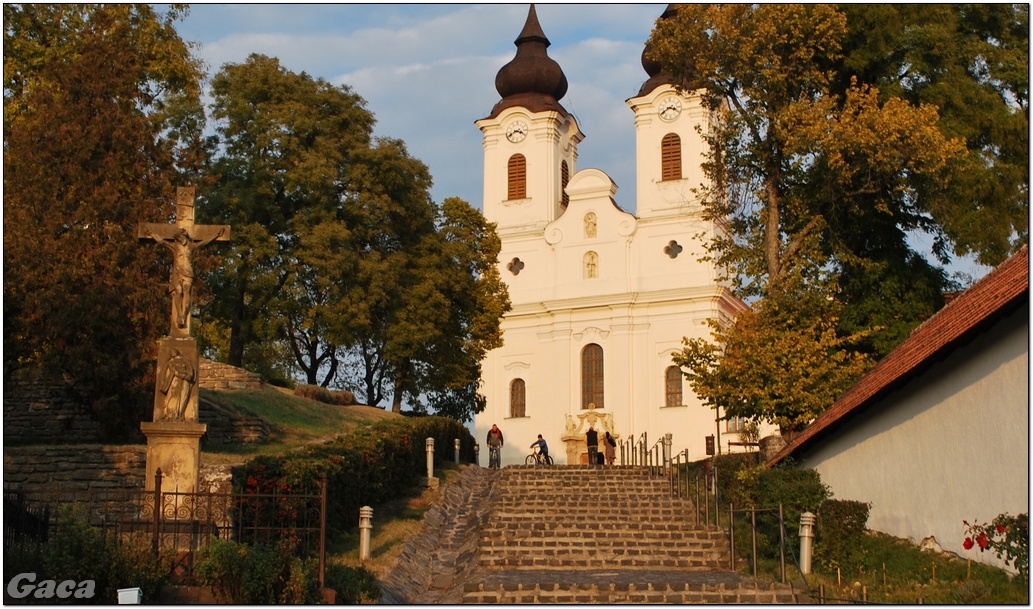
(537, 458)
(494, 457)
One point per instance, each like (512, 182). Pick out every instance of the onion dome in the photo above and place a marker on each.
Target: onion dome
(532, 79)
(652, 68)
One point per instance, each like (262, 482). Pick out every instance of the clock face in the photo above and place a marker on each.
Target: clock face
(669, 108)
(516, 131)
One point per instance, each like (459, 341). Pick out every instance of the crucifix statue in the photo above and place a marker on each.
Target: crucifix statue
(174, 433)
(182, 238)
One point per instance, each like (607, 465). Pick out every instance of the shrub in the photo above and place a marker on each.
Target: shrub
(353, 585)
(78, 551)
(841, 529)
(1007, 536)
(260, 574)
(324, 395)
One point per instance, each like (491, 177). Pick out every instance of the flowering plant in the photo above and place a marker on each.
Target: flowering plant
(1007, 536)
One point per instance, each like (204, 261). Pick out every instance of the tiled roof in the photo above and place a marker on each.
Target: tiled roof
(969, 311)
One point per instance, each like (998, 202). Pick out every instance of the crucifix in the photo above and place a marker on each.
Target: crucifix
(182, 238)
(174, 433)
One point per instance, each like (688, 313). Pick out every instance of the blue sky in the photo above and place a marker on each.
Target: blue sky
(427, 72)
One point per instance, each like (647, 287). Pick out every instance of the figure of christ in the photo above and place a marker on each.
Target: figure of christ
(182, 246)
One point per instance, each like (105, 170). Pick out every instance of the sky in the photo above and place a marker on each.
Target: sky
(427, 72)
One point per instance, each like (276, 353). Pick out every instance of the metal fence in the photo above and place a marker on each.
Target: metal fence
(177, 524)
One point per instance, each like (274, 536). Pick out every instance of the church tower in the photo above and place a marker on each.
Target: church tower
(530, 140)
(668, 148)
(601, 298)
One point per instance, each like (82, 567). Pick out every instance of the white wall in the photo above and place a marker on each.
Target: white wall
(949, 446)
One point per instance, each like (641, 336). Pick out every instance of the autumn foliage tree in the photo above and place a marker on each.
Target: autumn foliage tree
(101, 123)
(819, 183)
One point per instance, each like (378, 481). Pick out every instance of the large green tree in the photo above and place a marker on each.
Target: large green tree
(970, 61)
(818, 189)
(282, 180)
(102, 121)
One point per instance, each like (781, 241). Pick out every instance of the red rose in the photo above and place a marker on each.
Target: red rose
(968, 543)
(981, 540)
(1000, 528)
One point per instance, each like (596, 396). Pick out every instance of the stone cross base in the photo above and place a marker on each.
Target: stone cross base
(174, 447)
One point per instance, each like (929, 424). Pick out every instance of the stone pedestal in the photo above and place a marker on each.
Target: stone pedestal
(174, 447)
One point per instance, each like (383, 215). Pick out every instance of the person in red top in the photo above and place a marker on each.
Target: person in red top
(495, 444)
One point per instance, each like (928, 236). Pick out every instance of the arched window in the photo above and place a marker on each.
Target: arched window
(673, 386)
(670, 157)
(592, 376)
(517, 398)
(517, 177)
(564, 178)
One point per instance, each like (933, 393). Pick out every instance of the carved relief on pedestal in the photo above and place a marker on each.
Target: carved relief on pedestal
(574, 432)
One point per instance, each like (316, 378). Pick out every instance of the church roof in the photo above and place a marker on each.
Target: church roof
(973, 311)
(532, 80)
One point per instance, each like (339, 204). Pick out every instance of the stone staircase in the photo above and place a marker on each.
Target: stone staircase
(580, 534)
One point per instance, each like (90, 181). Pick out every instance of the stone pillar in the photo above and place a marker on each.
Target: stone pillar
(807, 520)
(174, 435)
(430, 459)
(477, 455)
(667, 451)
(365, 531)
(457, 451)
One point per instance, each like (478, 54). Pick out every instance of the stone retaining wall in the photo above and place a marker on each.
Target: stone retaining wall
(75, 467)
(45, 409)
(228, 427)
(215, 375)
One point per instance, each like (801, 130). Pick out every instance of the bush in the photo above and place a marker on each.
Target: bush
(324, 395)
(841, 529)
(260, 574)
(353, 585)
(78, 551)
(370, 466)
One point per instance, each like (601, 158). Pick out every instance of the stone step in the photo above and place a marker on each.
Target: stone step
(588, 561)
(623, 587)
(668, 530)
(612, 540)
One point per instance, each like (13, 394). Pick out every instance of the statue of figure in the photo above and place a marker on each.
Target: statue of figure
(176, 382)
(181, 283)
(591, 265)
(590, 228)
(571, 427)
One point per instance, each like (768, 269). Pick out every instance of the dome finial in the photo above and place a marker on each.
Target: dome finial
(532, 80)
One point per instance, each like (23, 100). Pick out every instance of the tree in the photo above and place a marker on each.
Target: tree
(101, 122)
(971, 61)
(282, 181)
(818, 192)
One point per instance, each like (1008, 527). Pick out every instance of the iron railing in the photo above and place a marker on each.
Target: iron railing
(177, 524)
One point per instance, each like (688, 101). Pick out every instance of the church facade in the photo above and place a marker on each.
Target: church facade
(601, 297)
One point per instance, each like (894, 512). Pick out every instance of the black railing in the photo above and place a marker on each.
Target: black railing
(181, 524)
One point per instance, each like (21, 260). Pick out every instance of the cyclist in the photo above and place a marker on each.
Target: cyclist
(495, 444)
(543, 448)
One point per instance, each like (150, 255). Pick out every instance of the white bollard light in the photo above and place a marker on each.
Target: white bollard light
(365, 531)
(807, 521)
(130, 596)
(457, 451)
(430, 458)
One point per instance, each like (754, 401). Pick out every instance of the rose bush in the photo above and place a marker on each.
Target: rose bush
(1007, 537)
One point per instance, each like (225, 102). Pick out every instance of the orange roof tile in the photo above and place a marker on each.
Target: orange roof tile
(978, 305)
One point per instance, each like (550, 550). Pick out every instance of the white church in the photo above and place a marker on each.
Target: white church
(601, 297)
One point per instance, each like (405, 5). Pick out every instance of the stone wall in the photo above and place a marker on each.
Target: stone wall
(228, 427)
(75, 467)
(214, 375)
(45, 409)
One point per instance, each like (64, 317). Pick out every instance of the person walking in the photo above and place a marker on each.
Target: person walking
(592, 440)
(495, 443)
(609, 444)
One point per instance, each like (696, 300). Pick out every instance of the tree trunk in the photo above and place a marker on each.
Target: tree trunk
(400, 378)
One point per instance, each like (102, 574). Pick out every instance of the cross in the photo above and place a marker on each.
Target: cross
(182, 238)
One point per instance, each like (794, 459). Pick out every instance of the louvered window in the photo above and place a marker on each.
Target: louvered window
(564, 178)
(670, 157)
(517, 177)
